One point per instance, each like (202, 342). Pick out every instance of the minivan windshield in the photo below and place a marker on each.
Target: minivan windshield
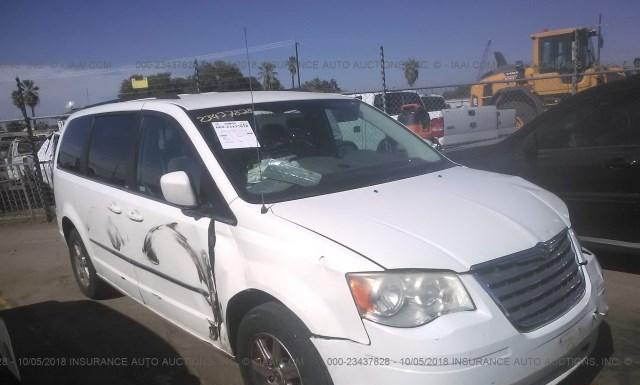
(311, 147)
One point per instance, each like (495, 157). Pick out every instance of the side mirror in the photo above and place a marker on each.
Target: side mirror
(176, 189)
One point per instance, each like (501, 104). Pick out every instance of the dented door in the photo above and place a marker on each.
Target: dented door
(173, 265)
(171, 245)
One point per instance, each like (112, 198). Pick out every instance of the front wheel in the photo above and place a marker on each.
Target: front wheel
(274, 347)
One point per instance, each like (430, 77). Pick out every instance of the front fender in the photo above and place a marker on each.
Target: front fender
(304, 271)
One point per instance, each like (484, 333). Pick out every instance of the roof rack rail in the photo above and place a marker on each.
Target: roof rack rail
(119, 100)
(100, 103)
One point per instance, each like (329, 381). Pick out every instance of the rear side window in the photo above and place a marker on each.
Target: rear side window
(609, 121)
(434, 103)
(112, 148)
(74, 143)
(615, 123)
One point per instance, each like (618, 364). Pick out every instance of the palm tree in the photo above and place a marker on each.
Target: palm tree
(17, 98)
(267, 75)
(411, 67)
(292, 64)
(30, 96)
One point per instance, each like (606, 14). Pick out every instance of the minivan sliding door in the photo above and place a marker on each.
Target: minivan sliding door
(109, 163)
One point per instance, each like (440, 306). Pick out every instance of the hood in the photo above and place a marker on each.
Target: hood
(452, 219)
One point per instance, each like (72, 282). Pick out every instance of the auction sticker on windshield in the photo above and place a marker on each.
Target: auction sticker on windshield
(235, 134)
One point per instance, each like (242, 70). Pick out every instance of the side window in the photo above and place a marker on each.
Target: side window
(74, 143)
(615, 123)
(112, 148)
(556, 54)
(165, 148)
(596, 123)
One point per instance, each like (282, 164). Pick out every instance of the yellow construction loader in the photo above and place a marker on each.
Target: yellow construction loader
(564, 62)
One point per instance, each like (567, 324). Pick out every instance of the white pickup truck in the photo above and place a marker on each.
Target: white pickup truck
(475, 124)
(462, 125)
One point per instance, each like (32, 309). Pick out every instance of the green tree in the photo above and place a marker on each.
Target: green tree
(214, 77)
(410, 68)
(30, 96)
(292, 66)
(159, 84)
(222, 76)
(318, 85)
(268, 76)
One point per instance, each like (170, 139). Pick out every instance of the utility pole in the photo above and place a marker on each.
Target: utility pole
(574, 59)
(34, 152)
(384, 81)
(600, 40)
(196, 75)
(297, 64)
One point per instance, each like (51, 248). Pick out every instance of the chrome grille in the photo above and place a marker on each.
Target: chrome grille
(535, 286)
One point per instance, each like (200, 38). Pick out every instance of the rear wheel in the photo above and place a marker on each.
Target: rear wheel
(274, 347)
(90, 284)
(524, 112)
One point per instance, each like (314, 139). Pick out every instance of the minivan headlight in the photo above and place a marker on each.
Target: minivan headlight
(408, 299)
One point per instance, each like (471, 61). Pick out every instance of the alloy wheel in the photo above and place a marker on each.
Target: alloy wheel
(271, 362)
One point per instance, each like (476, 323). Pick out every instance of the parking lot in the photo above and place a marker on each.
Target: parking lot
(40, 299)
(118, 341)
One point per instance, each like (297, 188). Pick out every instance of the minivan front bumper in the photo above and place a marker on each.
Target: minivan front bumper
(478, 347)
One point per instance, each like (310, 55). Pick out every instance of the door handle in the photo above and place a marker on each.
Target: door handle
(114, 208)
(135, 216)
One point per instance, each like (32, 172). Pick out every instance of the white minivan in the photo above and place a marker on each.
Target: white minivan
(248, 220)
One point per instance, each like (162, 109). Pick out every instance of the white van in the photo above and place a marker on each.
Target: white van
(249, 222)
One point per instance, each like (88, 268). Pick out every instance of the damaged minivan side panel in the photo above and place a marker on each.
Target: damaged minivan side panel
(203, 261)
(171, 250)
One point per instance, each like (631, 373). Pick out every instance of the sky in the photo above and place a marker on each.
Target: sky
(81, 50)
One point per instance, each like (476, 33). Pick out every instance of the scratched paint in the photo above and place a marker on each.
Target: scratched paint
(200, 260)
(116, 238)
(147, 246)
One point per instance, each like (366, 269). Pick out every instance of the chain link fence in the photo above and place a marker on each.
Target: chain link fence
(22, 195)
(459, 114)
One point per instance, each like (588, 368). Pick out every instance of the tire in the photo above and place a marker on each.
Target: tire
(88, 281)
(524, 112)
(272, 323)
